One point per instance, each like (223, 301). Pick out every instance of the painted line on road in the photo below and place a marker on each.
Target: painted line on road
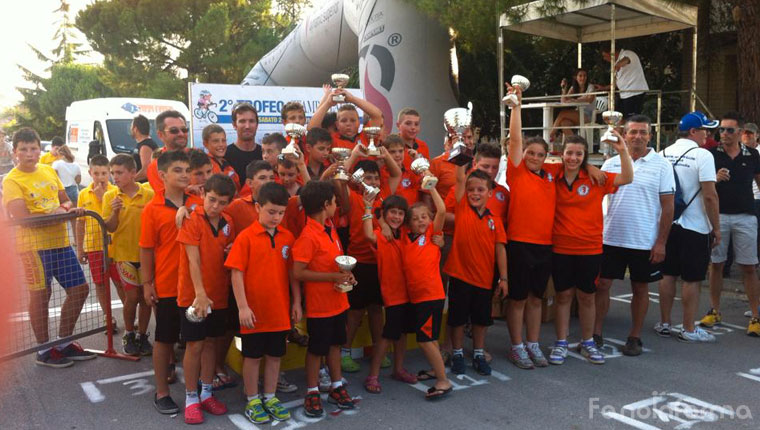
(242, 422)
(92, 392)
(714, 408)
(630, 421)
(748, 376)
(644, 403)
(125, 377)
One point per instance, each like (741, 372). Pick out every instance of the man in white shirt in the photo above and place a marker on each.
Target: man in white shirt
(695, 231)
(629, 79)
(636, 228)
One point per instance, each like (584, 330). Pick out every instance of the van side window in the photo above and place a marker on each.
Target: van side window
(96, 146)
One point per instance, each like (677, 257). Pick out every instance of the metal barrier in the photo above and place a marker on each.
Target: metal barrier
(64, 266)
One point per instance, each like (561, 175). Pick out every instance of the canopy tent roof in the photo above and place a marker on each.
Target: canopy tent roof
(584, 21)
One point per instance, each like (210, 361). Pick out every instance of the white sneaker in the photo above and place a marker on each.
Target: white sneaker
(698, 335)
(284, 386)
(748, 314)
(662, 329)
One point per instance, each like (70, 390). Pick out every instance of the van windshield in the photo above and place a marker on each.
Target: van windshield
(121, 141)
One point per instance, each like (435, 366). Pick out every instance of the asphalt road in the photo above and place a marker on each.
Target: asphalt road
(671, 386)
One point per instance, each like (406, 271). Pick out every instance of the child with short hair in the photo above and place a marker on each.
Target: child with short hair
(410, 183)
(294, 113)
(408, 124)
(122, 208)
(203, 285)
(215, 141)
(201, 169)
(347, 124)
(314, 264)
(243, 209)
(271, 147)
(479, 244)
(269, 300)
(89, 234)
(318, 146)
(292, 174)
(159, 264)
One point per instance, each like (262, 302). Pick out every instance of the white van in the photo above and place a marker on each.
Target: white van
(106, 122)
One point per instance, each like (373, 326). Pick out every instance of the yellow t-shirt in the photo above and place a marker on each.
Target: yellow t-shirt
(39, 191)
(48, 158)
(93, 234)
(124, 241)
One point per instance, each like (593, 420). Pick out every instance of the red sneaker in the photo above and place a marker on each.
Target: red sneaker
(213, 406)
(193, 414)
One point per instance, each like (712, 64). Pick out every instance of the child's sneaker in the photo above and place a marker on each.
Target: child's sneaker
(349, 365)
(276, 410)
(519, 357)
(52, 358)
(698, 335)
(284, 386)
(255, 412)
(457, 364)
(131, 347)
(662, 329)
(480, 365)
(559, 353)
(339, 396)
(324, 380)
(535, 354)
(214, 406)
(143, 342)
(588, 350)
(193, 414)
(75, 352)
(710, 319)
(312, 405)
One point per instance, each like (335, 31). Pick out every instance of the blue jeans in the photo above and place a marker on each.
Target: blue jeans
(73, 193)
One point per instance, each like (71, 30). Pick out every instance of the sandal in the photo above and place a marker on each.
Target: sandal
(425, 375)
(434, 393)
(372, 385)
(404, 376)
(222, 381)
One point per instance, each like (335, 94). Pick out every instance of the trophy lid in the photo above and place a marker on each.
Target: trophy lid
(295, 130)
(419, 165)
(372, 131)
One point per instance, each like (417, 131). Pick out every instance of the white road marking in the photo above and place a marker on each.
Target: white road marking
(748, 376)
(500, 376)
(644, 403)
(692, 400)
(125, 377)
(630, 421)
(92, 392)
(242, 422)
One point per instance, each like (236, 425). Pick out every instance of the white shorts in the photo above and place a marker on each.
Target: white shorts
(741, 230)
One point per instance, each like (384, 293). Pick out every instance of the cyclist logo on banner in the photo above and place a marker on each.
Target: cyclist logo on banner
(203, 109)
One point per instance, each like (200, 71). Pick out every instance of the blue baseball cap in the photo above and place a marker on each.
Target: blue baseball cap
(696, 119)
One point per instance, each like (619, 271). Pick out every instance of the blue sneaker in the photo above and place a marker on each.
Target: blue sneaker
(559, 352)
(480, 365)
(593, 355)
(457, 364)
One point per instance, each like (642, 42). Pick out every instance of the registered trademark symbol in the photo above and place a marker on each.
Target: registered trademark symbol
(394, 39)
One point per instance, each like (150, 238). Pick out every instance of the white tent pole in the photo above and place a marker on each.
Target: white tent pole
(613, 57)
(693, 94)
(580, 51)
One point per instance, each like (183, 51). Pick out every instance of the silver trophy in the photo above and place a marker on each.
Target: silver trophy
(340, 80)
(346, 263)
(341, 155)
(296, 132)
(511, 99)
(372, 133)
(457, 121)
(611, 118)
(421, 166)
(358, 178)
(192, 316)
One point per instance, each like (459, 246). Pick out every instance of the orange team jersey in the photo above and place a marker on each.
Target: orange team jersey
(243, 212)
(446, 173)
(359, 246)
(473, 251)
(295, 217)
(421, 148)
(317, 248)
(211, 244)
(152, 173)
(498, 204)
(222, 166)
(533, 197)
(159, 233)
(422, 267)
(265, 261)
(339, 141)
(392, 281)
(578, 219)
(408, 187)
(245, 191)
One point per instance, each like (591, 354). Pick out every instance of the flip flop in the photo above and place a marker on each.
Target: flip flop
(434, 393)
(425, 375)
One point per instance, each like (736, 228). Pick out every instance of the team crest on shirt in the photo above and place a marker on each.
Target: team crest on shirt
(230, 173)
(549, 177)
(583, 190)
(226, 230)
(421, 240)
(491, 224)
(406, 182)
(193, 206)
(500, 196)
(285, 252)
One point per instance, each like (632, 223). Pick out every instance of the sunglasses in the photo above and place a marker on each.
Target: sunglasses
(178, 130)
(729, 130)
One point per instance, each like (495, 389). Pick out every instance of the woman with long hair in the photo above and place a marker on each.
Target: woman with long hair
(574, 93)
(69, 172)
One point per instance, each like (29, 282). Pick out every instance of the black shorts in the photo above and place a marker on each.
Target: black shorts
(427, 318)
(233, 319)
(399, 319)
(214, 325)
(615, 260)
(167, 320)
(468, 303)
(529, 267)
(579, 271)
(367, 289)
(271, 344)
(687, 254)
(326, 332)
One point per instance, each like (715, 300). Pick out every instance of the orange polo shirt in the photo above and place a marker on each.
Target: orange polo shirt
(498, 204)
(578, 219)
(408, 187)
(318, 246)
(389, 260)
(159, 232)
(445, 172)
(533, 197)
(243, 212)
(211, 243)
(295, 217)
(473, 251)
(265, 261)
(225, 168)
(422, 267)
(358, 245)
(339, 141)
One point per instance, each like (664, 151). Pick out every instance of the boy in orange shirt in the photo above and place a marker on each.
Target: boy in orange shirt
(408, 128)
(443, 169)
(318, 145)
(479, 243)
(294, 112)
(215, 141)
(204, 286)
(243, 209)
(201, 168)
(271, 148)
(314, 264)
(292, 174)
(159, 263)
(269, 300)
(409, 186)
(347, 124)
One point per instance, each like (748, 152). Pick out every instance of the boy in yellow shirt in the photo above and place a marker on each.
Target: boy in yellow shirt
(122, 210)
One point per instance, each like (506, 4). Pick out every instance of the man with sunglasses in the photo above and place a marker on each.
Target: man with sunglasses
(737, 166)
(245, 120)
(172, 131)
